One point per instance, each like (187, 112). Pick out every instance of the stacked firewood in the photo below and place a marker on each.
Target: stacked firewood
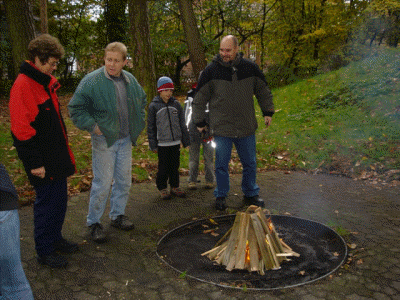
(252, 243)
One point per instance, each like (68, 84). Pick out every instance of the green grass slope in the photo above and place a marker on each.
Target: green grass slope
(344, 122)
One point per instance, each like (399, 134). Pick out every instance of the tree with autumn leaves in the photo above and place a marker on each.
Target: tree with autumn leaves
(285, 37)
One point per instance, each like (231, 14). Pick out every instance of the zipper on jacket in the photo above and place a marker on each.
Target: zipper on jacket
(170, 123)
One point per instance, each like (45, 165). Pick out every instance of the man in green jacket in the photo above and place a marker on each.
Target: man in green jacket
(110, 104)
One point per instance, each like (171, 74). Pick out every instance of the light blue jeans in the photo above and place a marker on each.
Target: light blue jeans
(246, 149)
(13, 282)
(112, 170)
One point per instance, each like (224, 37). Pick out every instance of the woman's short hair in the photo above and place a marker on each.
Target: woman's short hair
(117, 47)
(45, 46)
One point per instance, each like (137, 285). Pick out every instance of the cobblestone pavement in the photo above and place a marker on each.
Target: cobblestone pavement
(127, 266)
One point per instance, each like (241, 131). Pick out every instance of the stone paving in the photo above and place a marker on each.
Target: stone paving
(127, 266)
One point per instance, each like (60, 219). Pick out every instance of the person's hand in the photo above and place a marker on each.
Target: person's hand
(39, 172)
(155, 150)
(267, 120)
(97, 130)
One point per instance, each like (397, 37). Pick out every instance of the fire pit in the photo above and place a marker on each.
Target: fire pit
(321, 252)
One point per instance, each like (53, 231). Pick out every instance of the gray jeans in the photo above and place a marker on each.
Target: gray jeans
(194, 157)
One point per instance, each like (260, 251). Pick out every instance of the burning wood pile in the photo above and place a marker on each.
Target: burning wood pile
(251, 243)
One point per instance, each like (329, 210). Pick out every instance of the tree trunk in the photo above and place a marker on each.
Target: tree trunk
(142, 53)
(115, 18)
(21, 29)
(193, 39)
(44, 28)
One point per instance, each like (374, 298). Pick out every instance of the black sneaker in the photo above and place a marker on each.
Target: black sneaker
(66, 247)
(122, 222)
(255, 200)
(96, 231)
(220, 203)
(53, 260)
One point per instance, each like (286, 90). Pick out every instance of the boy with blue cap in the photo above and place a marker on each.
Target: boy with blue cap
(166, 132)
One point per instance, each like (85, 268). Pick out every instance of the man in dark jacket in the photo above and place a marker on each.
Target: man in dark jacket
(41, 140)
(228, 85)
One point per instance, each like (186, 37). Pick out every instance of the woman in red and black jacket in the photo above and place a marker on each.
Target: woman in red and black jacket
(40, 138)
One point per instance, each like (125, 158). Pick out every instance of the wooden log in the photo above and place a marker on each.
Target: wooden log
(253, 249)
(240, 256)
(265, 251)
(266, 225)
(226, 235)
(276, 261)
(232, 242)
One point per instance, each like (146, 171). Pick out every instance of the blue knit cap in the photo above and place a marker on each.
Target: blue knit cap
(164, 83)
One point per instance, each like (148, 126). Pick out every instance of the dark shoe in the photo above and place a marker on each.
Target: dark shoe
(255, 200)
(66, 247)
(96, 231)
(122, 222)
(220, 203)
(177, 191)
(53, 260)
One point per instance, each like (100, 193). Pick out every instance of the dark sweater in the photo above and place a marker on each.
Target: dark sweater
(8, 193)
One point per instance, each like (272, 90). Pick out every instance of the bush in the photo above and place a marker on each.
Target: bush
(69, 85)
(278, 76)
(5, 87)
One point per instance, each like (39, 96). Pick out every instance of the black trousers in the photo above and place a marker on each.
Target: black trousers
(168, 167)
(49, 213)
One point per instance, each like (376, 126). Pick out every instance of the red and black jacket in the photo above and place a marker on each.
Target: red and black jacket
(37, 127)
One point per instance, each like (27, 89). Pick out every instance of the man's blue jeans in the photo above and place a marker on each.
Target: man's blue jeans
(112, 169)
(246, 149)
(13, 282)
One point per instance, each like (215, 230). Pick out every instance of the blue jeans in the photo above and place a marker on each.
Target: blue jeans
(110, 164)
(246, 149)
(13, 282)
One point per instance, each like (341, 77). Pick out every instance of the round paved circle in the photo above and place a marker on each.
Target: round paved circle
(322, 251)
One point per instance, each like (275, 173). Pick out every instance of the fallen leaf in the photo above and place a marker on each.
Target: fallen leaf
(352, 246)
(302, 272)
(360, 262)
(213, 222)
